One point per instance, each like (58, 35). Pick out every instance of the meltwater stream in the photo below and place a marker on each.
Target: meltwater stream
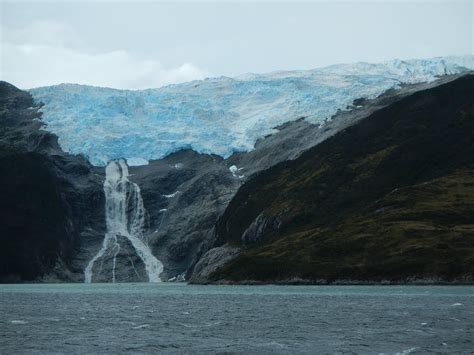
(125, 217)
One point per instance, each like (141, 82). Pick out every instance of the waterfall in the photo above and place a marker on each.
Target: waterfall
(125, 217)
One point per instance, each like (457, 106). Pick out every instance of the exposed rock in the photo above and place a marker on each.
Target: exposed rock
(212, 261)
(259, 227)
(184, 195)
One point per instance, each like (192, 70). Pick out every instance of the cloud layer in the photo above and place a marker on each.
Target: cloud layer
(48, 53)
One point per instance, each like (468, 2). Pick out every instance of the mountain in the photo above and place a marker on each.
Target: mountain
(176, 157)
(186, 192)
(389, 198)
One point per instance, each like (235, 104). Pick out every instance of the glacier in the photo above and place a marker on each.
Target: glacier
(219, 115)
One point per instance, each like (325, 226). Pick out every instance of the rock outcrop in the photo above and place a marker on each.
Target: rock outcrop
(212, 261)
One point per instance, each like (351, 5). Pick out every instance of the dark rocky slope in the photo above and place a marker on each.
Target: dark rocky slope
(390, 198)
(204, 184)
(48, 198)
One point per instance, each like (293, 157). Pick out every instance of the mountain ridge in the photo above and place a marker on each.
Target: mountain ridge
(330, 214)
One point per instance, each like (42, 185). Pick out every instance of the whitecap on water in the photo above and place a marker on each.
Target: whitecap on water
(141, 326)
(205, 325)
(408, 351)
(273, 344)
(18, 322)
(456, 304)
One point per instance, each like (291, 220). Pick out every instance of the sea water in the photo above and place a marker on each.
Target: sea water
(173, 317)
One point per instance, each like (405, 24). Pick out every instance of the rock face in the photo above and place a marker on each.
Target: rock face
(212, 261)
(50, 199)
(259, 227)
(389, 198)
(184, 195)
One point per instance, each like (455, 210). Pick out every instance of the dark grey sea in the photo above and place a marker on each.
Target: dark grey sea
(179, 318)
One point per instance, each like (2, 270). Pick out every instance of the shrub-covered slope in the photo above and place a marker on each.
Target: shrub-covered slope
(390, 198)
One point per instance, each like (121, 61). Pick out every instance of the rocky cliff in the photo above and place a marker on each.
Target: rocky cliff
(50, 200)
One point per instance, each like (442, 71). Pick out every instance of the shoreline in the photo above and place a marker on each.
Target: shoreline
(414, 282)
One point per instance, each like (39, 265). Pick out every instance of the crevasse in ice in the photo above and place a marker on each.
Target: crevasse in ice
(218, 115)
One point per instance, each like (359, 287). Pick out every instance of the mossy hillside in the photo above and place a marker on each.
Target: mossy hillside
(388, 198)
(394, 239)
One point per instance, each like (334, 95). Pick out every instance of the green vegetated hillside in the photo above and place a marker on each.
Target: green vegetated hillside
(390, 198)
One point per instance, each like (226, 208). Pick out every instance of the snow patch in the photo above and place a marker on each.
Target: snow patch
(171, 195)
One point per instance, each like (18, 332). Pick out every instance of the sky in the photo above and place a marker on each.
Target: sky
(146, 44)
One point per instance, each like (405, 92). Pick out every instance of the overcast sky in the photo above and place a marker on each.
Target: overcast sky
(150, 44)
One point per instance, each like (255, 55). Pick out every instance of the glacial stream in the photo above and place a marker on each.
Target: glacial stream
(125, 217)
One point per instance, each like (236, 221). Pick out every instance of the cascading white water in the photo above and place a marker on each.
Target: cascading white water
(125, 216)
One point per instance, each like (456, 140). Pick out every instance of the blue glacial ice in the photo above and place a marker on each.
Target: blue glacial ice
(217, 115)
